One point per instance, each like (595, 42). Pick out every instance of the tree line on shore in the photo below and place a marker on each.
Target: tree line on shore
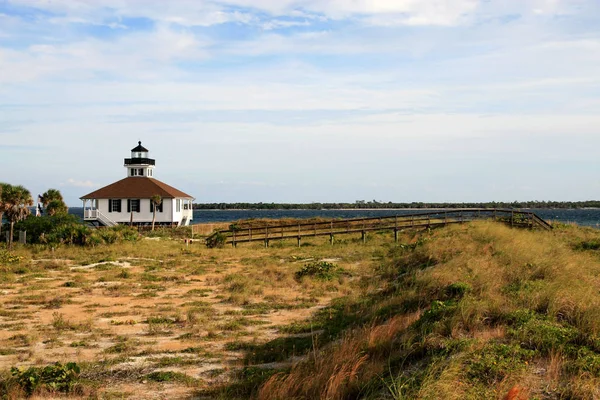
(361, 204)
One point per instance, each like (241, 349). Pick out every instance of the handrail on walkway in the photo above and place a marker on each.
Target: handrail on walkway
(251, 233)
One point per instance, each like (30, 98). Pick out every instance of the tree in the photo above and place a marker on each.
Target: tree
(53, 202)
(156, 200)
(3, 187)
(56, 207)
(17, 201)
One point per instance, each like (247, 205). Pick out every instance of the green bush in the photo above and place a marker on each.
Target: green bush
(543, 335)
(495, 361)
(54, 230)
(319, 269)
(457, 289)
(588, 245)
(57, 377)
(7, 258)
(216, 240)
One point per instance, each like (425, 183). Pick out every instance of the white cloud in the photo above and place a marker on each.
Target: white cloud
(80, 184)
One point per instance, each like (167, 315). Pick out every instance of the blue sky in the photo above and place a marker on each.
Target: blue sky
(305, 100)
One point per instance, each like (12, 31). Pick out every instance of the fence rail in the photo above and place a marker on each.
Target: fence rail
(251, 233)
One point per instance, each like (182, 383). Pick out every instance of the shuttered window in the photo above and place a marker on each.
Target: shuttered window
(133, 205)
(114, 205)
(159, 208)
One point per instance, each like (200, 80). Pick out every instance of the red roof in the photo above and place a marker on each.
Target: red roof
(136, 188)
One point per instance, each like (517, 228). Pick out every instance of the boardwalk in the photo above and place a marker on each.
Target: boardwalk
(252, 233)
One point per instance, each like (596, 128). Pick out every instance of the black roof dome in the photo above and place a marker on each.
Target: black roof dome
(139, 148)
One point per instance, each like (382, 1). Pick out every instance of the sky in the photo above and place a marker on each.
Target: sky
(305, 100)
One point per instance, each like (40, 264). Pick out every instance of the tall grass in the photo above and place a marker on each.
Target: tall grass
(467, 312)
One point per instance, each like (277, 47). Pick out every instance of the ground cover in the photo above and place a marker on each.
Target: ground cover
(463, 312)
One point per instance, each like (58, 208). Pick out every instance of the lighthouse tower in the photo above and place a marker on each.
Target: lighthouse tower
(132, 200)
(139, 164)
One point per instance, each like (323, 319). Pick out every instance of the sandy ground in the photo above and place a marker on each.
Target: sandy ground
(140, 315)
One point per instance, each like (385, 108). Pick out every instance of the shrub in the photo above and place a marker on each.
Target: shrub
(216, 240)
(54, 230)
(496, 361)
(57, 377)
(588, 245)
(7, 258)
(544, 335)
(458, 289)
(319, 269)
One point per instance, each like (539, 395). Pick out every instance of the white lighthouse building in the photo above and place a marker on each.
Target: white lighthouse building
(128, 200)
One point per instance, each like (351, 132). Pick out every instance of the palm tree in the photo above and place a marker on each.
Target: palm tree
(53, 202)
(17, 201)
(56, 207)
(3, 187)
(155, 200)
(50, 195)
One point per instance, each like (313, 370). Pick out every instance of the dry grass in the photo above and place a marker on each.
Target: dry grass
(463, 312)
(504, 307)
(120, 307)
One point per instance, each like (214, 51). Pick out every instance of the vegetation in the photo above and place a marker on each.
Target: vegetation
(156, 200)
(319, 269)
(469, 313)
(14, 204)
(374, 204)
(461, 312)
(56, 378)
(53, 202)
(62, 228)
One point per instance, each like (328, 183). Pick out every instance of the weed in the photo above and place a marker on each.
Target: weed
(57, 377)
(495, 361)
(319, 270)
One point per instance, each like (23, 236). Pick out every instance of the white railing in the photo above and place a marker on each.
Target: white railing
(96, 215)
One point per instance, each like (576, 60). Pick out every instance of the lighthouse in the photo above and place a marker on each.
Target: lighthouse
(128, 201)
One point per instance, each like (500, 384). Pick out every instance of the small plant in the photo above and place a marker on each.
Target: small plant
(57, 377)
(7, 258)
(216, 240)
(319, 269)
(169, 376)
(59, 322)
(495, 361)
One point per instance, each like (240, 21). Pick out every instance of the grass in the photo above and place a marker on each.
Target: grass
(462, 312)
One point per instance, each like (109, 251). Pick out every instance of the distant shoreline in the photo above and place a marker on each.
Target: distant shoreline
(387, 209)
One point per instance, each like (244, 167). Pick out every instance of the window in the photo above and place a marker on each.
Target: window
(159, 208)
(141, 172)
(114, 205)
(132, 171)
(178, 205)
(133, 205)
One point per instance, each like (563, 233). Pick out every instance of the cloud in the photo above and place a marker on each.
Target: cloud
(458, 88)
(80, 184)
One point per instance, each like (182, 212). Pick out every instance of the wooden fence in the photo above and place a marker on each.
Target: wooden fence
(244, 233)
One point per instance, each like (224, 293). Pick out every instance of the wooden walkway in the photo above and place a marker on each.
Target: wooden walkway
(252, 233)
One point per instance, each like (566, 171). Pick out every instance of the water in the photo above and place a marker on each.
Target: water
(584, 217)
